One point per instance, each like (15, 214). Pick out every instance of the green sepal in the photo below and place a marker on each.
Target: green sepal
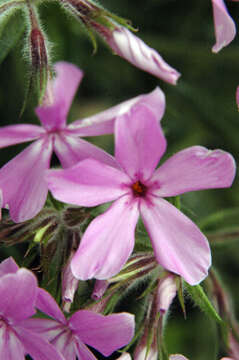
(180, 295)
(11, 29)
(201, 300)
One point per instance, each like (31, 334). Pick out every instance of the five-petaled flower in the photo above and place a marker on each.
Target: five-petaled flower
(138, 189)
(18, 297)
(22, 181)
(70, 336)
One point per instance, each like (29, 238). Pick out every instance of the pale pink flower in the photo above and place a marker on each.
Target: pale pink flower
(138, 189)
(18, 297)
(71, 336)
(225, 29)
(22, 179)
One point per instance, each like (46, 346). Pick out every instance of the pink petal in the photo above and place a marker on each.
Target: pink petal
(88, 183)
(10, 346)
(70, 150)
(179, 245)
(195, 168)
(103, 123)
(36, 346)
(134, 50)
(124, 356)
(18, 294)
(237, 97)
(139, 142)
(8, 266)
(107, 242)
(47, 304)
(15, 134)
(177, 357)
(83, 352)
(225, 29)
(64, 86)
(22, 181)
(104, 333)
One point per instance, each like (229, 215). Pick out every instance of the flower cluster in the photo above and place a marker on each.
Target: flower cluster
(84, 219)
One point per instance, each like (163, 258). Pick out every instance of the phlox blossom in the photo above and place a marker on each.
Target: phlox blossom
(137, 189)
(71, 336)
(22, 181)
(18, 296)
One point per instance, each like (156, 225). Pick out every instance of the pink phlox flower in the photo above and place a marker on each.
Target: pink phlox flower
(22, 179)
(18, 296)
(138, 190)
(225, 29)
(71, 336)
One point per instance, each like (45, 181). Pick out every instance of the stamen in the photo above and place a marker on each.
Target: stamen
(139, 189)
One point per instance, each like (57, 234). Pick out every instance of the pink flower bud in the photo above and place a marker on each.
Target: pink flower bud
(69, 285)
(134, 50)
(167, 290)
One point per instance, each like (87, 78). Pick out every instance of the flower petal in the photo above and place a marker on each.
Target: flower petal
(8, 266)
(166, 292)
(70, 150)
(225, 29)
(134, 50)
(89, 183)
(36, 346)
(15, 134)
(83, 352)
(179, 245)
(64, 86)
(195, 168)
(103, 123)
(22, 181)
(10, 346)
(18, 294)
(177, 357)
(47, 304)
(107, 242)
(104, 333)
(139, 142)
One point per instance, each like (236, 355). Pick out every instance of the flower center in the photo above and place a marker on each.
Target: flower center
(139, 189)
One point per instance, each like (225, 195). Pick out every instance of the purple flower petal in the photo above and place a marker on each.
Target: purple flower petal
(134, 50)
(18, 294)
(70, 150)
(64, 86)
(179, 245)
(104, 333)
(48, 305)
(88, 183)
(10, 346)
(22, 181)
(36, 346)
(15, 134)
(139, 142)
(83, 352)
(195, 168)
(103, 123)
(8, 266)
(225, 29)
(107, 242)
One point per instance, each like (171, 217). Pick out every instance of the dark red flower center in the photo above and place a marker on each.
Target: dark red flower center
(139, 189)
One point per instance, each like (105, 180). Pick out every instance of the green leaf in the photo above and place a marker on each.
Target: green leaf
(201, 300)
(11, 29)
(225, 217)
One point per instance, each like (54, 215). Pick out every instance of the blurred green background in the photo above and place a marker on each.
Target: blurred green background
(201, 110)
